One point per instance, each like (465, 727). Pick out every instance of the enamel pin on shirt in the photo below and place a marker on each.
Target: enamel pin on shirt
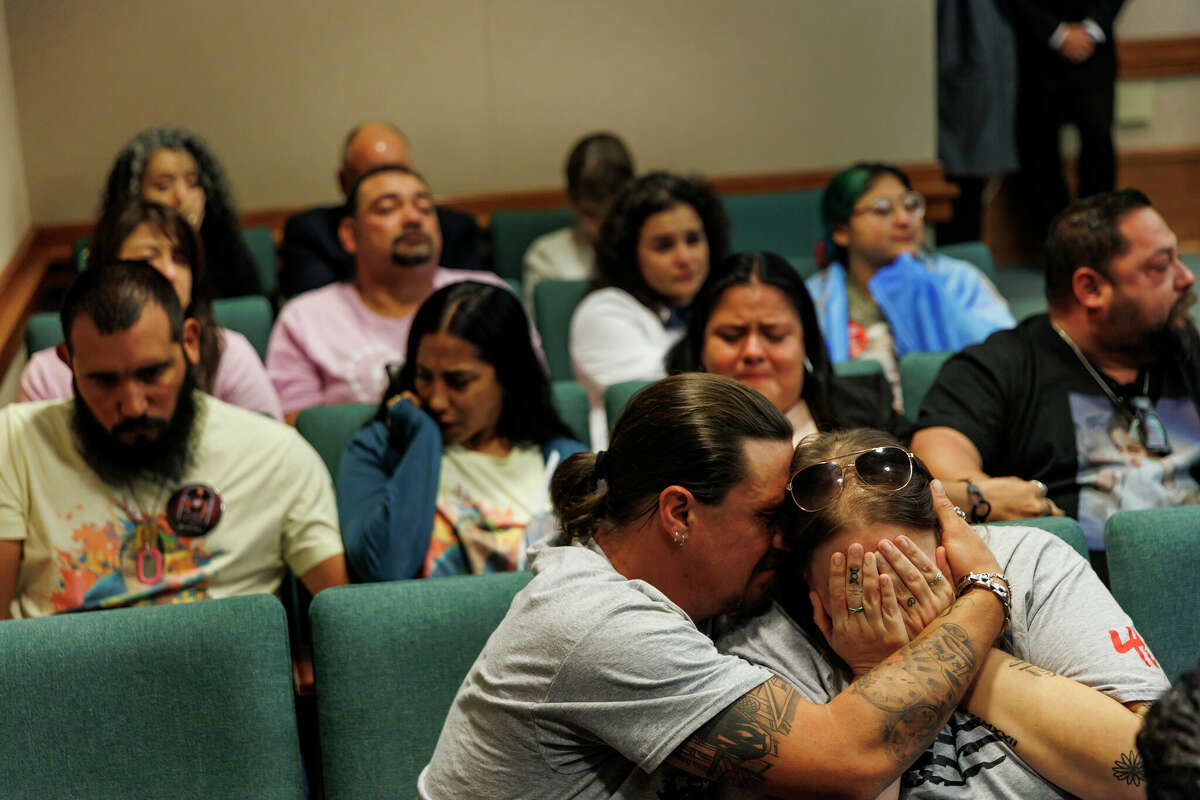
(194, 510)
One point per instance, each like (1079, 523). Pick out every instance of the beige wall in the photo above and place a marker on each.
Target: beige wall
(1154, 18)
(492, 92)
(14, 197)
(1175, 121)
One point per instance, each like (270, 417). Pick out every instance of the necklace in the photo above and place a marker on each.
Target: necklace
(147, 535)
(1144, 422)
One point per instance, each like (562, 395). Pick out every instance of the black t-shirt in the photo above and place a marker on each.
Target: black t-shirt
(1033, 411)
(865, 401)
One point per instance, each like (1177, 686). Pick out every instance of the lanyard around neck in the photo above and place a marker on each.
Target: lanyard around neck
(1120, 404)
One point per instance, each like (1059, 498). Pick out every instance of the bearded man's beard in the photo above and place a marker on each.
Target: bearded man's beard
(164, 454)
(1176, 337)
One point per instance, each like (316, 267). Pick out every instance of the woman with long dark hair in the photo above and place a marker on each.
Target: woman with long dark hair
(755, 323)
(456, 465)
(176, 168)
(656, 249)
(229, 367)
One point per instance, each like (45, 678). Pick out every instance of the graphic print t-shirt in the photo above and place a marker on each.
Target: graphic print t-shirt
(1063, 619)
(484, 504)
(80, 535)
(1025, 401)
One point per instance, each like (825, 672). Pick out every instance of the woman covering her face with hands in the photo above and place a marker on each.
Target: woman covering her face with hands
(1056, 706)
(457, 463)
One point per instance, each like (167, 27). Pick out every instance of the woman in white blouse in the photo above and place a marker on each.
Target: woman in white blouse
(656, 250)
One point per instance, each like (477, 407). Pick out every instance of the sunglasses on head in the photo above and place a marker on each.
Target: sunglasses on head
(818, 486)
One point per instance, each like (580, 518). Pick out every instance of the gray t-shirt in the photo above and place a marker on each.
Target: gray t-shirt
(1063, 619)
(587, 685)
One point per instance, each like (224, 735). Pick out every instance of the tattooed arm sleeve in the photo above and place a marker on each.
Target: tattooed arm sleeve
(1073, 735)
(774, 741)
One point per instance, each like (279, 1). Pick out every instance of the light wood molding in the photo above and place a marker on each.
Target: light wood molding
(1167, 57)
(50, 243)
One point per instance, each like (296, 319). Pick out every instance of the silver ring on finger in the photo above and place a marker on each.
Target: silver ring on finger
(858, 610)
(1041, 487)
(960, 512)
(937, 577)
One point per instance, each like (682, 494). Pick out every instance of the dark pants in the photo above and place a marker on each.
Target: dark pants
(1081, 96)
(966, 217)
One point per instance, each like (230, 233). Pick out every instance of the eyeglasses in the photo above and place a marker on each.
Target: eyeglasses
(883, 207)
(818, 486)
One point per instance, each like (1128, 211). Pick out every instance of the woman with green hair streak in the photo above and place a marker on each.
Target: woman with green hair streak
(880, 294)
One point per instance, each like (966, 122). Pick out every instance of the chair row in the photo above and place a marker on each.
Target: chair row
(209, 683)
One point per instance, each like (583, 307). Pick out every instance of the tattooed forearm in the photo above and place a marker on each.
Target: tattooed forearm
(919, 687)
(742, 742)
(1032, 669)
(1128, 768)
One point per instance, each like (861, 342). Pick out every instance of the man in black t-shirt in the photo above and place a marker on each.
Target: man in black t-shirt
(1088, 409)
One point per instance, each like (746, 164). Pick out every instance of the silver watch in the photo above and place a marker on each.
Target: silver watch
(988, 580)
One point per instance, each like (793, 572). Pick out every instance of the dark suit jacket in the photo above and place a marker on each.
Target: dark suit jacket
(312, 256)
(1035, 21)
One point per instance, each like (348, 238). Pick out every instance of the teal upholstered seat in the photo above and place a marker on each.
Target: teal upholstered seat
(251, 316)
(43, 330)
(553, 304)
(571, 402)
(857, 366)
(329, 428)
(261, 244)
(191, 700)
(785, 223)
(617, 396)
(389, 658)
(918, 371)
(513, 230)
(1064, 528)
(1152, 558)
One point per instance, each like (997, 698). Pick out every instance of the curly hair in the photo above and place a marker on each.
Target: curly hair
(232, 271)
(617, 262)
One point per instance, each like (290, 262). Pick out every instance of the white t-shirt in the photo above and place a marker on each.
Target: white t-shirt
(561, 255)
(614, 338)
(80, 534)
